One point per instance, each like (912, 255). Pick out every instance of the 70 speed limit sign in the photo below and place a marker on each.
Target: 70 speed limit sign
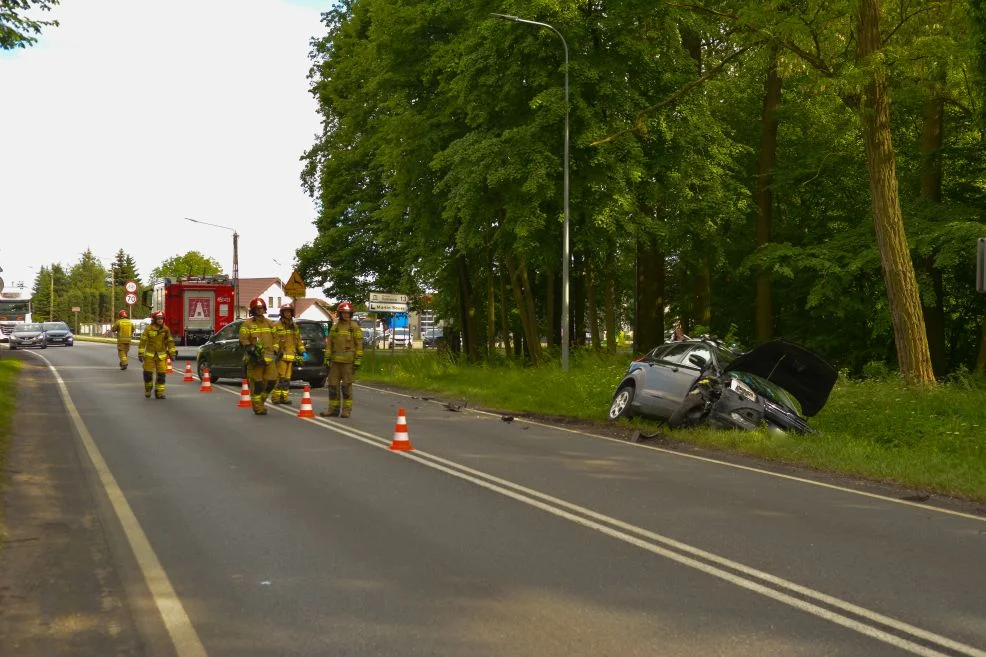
(131, 298)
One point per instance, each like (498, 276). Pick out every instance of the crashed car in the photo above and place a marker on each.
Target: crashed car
(778, 384)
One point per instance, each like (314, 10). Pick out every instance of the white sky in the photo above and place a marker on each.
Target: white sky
(132, 115)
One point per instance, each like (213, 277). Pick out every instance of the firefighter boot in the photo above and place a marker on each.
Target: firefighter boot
(148, 384)
(159, 388)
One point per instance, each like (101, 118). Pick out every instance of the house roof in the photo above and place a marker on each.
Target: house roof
(301, 305)
(251, 288)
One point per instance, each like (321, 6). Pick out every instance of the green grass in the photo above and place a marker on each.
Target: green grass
(9, 367)
(933, 439)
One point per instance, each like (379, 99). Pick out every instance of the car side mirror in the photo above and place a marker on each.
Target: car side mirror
(698, 361)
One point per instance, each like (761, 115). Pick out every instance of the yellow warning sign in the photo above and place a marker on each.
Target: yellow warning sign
(295, 287)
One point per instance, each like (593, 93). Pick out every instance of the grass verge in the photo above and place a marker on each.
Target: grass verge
(934, 439)
(9, 367)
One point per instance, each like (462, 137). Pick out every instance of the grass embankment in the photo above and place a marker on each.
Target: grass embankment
(928, 438)
(8, 395)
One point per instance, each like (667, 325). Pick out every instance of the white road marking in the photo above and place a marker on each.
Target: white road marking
(706, 459)
(177, 622)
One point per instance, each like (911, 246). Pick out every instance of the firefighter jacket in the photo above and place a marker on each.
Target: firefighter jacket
(124, 330)
(259, 331)
(344, 343)
(287, 336)
(157, 342)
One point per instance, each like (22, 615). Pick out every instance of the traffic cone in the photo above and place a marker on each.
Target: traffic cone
(401, 442)
(245, 395)
(170, 370)
(306, 409)
(206, 382)
(188, 373)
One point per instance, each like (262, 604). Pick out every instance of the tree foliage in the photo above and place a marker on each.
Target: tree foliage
(17, 26)
(191, 263)
(439, 169)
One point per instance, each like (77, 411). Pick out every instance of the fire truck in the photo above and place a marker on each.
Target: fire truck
(195, 307)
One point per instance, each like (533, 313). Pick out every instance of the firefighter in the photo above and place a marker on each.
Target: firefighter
(156, 344)
(257, 335)
(124, 330)
(290, 349)
(343, 355)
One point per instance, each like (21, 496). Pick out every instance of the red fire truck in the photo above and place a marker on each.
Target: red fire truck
(195, 306)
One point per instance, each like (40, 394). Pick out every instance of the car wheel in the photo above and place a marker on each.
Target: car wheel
(621, 402)
(317, 383)
(202, 367)
(44, 345)
(688, 414)
(13, 348)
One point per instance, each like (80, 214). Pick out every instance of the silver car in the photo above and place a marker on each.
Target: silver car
(28, 335)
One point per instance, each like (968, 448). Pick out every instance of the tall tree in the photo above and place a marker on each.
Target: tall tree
(191, 263)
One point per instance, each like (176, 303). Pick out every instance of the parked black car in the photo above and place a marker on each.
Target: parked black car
(59, 333)
(223, 354)
(430, 337)
(778, 384)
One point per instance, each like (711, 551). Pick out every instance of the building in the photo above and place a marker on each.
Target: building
(270, 289)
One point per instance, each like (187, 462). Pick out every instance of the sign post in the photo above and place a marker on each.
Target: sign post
(389, 302)
(981, 265)
(76, 310)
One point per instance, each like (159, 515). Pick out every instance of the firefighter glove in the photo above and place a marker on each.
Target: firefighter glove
(140, 357)
(357, 363)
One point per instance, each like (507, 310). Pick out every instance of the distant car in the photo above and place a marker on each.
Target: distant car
(778, 384)
(399, 337)
(59, 333)
(138, 327)
(224, 355)
(430, 337)
(28, 335)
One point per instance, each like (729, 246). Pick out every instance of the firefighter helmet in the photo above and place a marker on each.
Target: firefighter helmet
(345, 307)
(258, 303)
(156, 315)
(287, 306)
(123, 313)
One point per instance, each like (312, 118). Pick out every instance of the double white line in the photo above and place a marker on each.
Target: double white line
(869, 623)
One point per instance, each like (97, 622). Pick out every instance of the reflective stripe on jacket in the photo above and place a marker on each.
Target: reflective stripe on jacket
(288, 339)
(259, 330)
(344, 343)
(156, 342)
(124, 330)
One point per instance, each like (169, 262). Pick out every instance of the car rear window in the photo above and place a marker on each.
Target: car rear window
(311, 331)
(56, 326)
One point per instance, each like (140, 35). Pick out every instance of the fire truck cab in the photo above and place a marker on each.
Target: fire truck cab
(195, 307)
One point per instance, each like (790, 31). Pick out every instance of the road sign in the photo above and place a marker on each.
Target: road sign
(385, 307)
(76, 309)
(295, 287)
(131, 298)
(388, 297)
(130, 287)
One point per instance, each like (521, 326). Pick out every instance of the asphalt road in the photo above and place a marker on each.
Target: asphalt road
(282, 536)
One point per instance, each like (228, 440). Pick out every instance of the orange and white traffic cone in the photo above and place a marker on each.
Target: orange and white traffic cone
(245, 401)
(206, 382)
(306, 409)
(401, 442)
(188, 373)
(170, 369)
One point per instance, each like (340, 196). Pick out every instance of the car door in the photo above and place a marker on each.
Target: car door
(663, 379)
(227, 357)
(688, 367)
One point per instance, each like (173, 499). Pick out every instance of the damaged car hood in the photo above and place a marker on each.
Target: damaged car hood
(798, 370)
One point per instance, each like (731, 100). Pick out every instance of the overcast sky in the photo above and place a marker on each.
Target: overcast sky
(132, 115)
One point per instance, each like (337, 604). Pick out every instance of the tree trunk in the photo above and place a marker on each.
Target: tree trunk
(467, 312)
(504, 316)
(525, 307)
(764, 310)
(490, 306)
(610, 311)
(590, 293)
(981, 358)
(577, 307)
(898, 270)
(552, 310)
(932, 139)
(649, 328)
(702, 296)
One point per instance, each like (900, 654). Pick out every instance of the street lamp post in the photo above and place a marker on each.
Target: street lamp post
(236, 262)
(565, 254)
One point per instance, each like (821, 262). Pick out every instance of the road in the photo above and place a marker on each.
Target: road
(284, 536)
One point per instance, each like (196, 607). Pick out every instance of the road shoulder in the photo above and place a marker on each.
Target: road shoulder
(60, 590)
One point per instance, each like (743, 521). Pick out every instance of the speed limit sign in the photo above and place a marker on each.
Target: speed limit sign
(130, 287)
(131, 298)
